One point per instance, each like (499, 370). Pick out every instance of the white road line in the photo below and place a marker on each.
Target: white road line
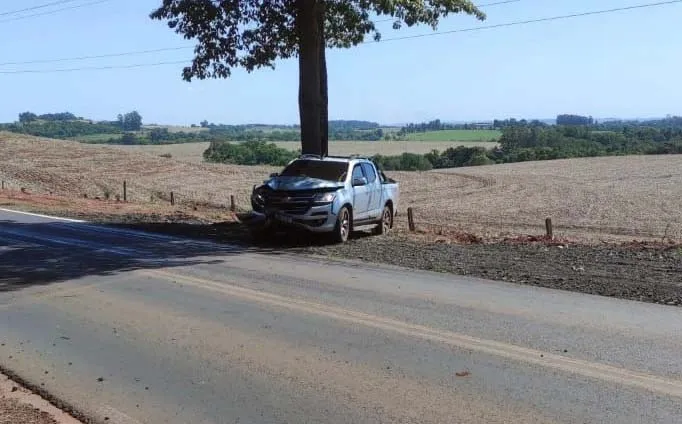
(41, 215)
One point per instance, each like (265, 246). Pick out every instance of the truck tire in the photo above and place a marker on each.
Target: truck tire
(386, 223)
(343, 226)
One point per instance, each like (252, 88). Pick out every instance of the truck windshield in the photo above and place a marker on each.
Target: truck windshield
(323, 170)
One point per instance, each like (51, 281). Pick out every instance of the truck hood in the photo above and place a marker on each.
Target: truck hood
(301, 183)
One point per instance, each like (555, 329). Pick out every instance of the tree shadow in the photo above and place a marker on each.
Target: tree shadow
(43, 253)
(238, 234)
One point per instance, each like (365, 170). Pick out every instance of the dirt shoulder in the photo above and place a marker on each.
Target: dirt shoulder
(642, 271)
(20, 405)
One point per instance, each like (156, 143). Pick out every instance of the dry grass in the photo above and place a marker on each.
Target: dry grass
(589, 199)
(192, 152)
(73, 169)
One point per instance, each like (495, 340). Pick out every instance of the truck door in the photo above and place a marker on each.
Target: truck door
(360, 194)
(374, 191)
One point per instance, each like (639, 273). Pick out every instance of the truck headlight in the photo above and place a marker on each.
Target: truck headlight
(258, 195)
(325, 197)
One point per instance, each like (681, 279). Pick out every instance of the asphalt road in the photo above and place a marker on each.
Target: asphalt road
(131, 327)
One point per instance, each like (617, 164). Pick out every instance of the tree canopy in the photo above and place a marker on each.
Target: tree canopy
(131, 121)
(252, 34)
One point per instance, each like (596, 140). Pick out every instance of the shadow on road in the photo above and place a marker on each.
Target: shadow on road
(236, 233)
(44, 253)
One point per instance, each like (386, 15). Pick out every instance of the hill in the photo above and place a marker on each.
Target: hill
(592, 199)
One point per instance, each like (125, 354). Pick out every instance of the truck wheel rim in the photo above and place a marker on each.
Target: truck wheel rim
(386, 222)
(345, 224)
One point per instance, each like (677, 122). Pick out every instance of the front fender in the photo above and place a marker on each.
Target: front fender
(343, 197)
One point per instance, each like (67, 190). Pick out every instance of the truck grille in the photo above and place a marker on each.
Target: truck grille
(290, 203)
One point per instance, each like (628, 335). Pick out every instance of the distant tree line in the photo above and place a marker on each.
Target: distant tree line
(61, 129)
(68, 125)
(435, 125)
(438, 125)
(519, 143)
(568, 119)
(32, 117)
(127, 129)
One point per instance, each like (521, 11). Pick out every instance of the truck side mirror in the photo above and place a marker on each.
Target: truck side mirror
(359, 181)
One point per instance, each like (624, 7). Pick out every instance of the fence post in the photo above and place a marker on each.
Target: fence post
(548, 228)
(410, 219)
(172, 199)
(233, 206)
(125, 191)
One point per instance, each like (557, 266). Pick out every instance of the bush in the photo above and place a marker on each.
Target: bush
(249, 153)
(478, 160)
(404, 162)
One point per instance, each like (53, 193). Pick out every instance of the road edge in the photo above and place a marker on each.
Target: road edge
(52, 405)
(38, 215)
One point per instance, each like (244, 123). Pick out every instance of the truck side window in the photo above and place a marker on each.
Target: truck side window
(369, 172)
(357, 172)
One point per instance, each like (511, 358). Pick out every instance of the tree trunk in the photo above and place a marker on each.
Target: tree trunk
(309, 93)
(324, 94)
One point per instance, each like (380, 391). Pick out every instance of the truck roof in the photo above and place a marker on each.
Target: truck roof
(334, 158)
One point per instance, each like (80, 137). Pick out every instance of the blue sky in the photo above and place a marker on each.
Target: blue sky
(624, 64)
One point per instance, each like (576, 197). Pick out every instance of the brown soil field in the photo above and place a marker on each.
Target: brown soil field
(630, 197)
(192, 152)
(72, 169)
(589, 200)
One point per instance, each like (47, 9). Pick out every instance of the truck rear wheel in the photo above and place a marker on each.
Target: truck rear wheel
(386, 223)
(343, 225)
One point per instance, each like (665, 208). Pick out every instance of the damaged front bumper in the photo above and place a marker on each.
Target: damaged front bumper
(319, 219)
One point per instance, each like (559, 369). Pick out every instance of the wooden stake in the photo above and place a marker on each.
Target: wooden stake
(125, 191)
(172, 199)
(410, 219)
(233, 206)
(548, 227)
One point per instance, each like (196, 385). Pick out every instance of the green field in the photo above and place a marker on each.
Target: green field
(455, 135)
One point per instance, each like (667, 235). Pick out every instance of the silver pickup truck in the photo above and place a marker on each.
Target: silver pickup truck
(334, 195)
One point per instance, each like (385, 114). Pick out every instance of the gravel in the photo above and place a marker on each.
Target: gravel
(640, 272)
(14, 412)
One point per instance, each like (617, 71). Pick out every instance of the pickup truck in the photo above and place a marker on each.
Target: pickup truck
(332, 195)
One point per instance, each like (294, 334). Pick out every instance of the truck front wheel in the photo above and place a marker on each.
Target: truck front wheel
(343, 225)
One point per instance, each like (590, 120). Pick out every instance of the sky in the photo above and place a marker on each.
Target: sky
(624, 64)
